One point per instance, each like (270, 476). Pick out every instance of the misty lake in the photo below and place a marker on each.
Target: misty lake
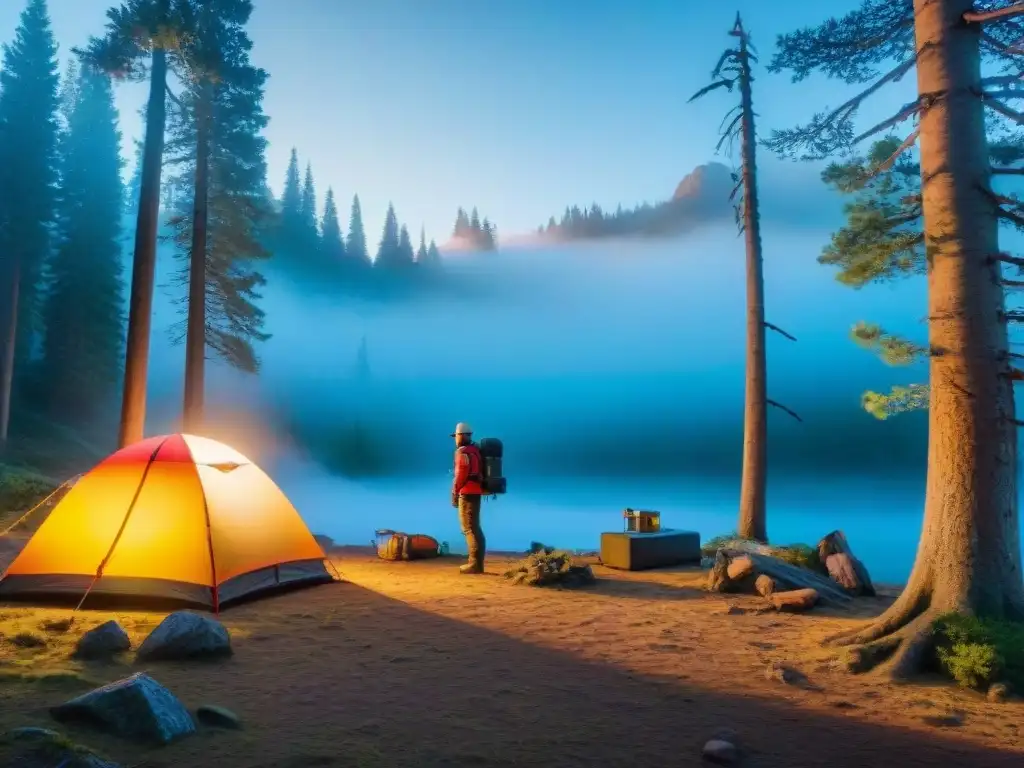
(614, 376)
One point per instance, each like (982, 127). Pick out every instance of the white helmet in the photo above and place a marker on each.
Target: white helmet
(462, 428)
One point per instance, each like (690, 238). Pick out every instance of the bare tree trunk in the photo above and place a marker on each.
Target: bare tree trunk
(968, 559)
(10, 342)
(195, 339)
(140, 305)
(753, 487)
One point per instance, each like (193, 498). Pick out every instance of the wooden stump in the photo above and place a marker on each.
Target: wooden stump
(846, 569)
(718, 576)
(794, 601)
(765, 585)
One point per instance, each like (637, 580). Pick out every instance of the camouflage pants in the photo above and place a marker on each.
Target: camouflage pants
(469, 519)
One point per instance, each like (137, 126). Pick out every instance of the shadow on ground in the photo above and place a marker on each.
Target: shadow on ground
(347, 677)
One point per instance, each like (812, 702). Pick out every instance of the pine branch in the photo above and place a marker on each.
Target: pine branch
(982, 17)
(1005, 93)
(781, 407)
(1012, 283)
(829, 132)
(1015, 374)
(1002, 80)
(906, 112)
(773, 327)
(175, 99)
(1006, 258)
(1007, 171)
(1000, 48)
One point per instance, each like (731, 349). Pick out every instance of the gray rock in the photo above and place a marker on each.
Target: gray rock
(185, 635)
(720, 752)
(103, 642)
(218, 717)
(137, 707)
(43, 748)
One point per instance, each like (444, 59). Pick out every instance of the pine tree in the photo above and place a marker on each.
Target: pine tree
(733, 70)
(84, 308)
(138, 35)
(969, 557)
(488, 236)
(236, 197)
(134, 186)
(433, 255)
(356, 252)
(333, 244)
(462, 227)
(474, 223)
(29, 83)
(388, 252)
(421, 251)
(405, 253)
(310, 233)
(291, 202)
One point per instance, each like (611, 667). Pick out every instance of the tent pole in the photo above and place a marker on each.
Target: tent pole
(124, 524)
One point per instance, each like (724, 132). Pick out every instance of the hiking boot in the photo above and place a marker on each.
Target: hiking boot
(471, 568)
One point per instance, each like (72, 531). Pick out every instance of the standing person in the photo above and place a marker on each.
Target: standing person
(467, 491)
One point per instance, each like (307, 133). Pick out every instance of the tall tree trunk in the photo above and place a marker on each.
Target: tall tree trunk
(195, 337)
(140, 306)
(753, 487)
(968, 559)
(10, 342)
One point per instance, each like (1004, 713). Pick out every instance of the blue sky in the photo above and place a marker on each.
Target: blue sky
(516, 106)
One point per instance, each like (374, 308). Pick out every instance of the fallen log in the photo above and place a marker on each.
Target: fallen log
(740, 567)
(792, 577)
(794, 601)
(765, 585)
(852, 575)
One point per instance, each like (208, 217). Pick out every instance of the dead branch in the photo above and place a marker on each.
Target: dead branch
(891, 160)
(981, 17)
(1015, 374)
(1005, 93)
(773, 327)
(905, 113)
(1002, 80)
(1012, 283)
(1016, 422)
(1006, 258)
(891, 76)
(1005, 111)
(781, 407)
(175, 99)
(999, 47)
(1007, 171)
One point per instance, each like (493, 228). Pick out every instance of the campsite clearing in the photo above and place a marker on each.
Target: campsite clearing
(410, 664)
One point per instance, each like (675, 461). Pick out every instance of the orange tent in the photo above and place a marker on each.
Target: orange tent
(179, 517)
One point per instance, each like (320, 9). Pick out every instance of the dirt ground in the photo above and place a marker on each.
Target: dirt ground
(411, 664)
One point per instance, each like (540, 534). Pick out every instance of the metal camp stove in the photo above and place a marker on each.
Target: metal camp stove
(641, 521)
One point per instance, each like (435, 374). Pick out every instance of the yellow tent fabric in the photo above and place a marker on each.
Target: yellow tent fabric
(178, 516)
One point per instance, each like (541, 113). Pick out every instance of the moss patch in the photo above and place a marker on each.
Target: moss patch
(20, 490)
(978, 652)
(801, 555)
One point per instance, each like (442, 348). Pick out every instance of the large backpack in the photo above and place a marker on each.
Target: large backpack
(395, 545)
(491, 478)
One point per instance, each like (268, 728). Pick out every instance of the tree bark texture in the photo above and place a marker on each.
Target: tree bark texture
(10, 336)
(753, 486)
(968, 559)
(195, 335)
(140, 304)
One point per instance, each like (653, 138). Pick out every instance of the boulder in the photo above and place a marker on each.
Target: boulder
(185, 635)
(218, 717)
(43, 748)
(720, 752)
(137, 707)
(103, 642)
(765, 585)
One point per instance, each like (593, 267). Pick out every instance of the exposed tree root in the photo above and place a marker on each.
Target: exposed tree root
(900, 654)
(907, 607)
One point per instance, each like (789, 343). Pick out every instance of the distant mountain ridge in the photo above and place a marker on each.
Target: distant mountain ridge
(701, 197)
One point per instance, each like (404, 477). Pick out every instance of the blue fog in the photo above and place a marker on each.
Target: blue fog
(613, 373)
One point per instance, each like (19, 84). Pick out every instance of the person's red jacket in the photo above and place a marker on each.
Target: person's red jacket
(468, 463)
